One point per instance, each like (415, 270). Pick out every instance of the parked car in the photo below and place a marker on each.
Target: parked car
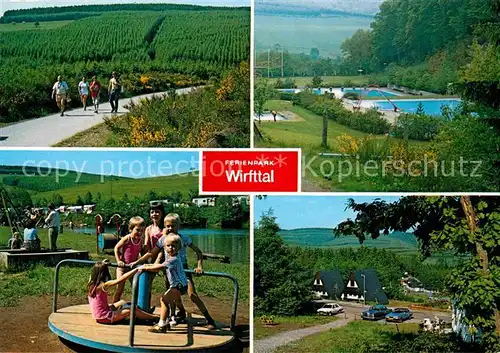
(375, 312)
(330, 309)
(399, 315)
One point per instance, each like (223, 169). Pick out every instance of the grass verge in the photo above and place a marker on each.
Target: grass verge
(355, 337)
(288, 323)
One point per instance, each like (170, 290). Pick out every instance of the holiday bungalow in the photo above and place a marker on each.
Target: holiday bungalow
(328, 284)
(204, 201)
(364, 285)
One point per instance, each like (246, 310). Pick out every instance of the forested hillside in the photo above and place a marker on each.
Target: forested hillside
(427, 44)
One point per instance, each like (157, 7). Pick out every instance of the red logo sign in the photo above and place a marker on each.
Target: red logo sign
(250, 171)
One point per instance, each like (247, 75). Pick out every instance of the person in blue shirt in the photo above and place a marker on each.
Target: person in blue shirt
(31, 240)
(177, 280)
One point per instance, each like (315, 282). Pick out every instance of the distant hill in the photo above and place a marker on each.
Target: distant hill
(323, 237)
(45, 183)
(318, 7)
(45, 179)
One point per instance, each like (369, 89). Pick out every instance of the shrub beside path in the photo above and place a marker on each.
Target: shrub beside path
(51, 129)
(269, 344)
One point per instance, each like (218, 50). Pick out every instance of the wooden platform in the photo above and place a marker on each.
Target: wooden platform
(75, 324)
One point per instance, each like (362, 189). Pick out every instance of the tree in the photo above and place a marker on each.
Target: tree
(314, 53)
(280, 285)
(57, 199)
(261, 95)
(21, 198)
(79, 201)
(37, 24)
(420, 109)
(316, 81)
(466, 225)
(192, 193)
(88, 198)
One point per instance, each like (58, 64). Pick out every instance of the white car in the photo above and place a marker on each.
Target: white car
(330, 309)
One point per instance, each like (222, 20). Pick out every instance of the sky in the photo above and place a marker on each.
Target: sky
(6, 5)
(294, 212)
(130, 163)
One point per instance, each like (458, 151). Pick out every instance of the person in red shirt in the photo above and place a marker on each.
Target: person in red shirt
(95, 90)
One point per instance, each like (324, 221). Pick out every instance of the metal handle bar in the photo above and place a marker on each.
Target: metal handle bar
(135, 290)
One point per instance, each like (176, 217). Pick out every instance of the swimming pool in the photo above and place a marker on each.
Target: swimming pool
(431, 106)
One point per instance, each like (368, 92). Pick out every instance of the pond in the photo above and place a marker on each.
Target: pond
(234, 243)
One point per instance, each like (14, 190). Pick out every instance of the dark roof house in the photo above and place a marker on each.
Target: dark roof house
(355, 287)
(329, 283)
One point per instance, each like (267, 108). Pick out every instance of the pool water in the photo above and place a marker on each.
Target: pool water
(431, 106)
(370, 93)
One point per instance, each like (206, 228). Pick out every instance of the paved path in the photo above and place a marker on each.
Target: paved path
(269, 344)
(51, 129)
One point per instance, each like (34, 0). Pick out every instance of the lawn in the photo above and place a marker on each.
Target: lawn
(287, 323)
(327, 80)
(323, 172)
(355, 337)
(9, 27)
(39, 280)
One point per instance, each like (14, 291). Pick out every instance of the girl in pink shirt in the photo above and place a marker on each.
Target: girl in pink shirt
(102, 312)
(153, 233)
(128, 251)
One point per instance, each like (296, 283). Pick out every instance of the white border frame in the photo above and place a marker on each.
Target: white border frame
(299, 172)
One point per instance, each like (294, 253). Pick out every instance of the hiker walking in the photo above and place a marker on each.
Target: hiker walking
(95, 90)
(114, 89)
(83, 88)
(60, 93)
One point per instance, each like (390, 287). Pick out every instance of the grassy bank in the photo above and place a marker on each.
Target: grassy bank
(287, 323)
(321, 171)
(99, 135)
(355, 337)
(38, 280)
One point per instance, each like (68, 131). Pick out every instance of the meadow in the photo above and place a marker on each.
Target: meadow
(38, 280)
(69, 187)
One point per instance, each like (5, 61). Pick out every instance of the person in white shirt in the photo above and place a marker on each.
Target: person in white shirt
(53, 220)
(83, 88)
(60, 93)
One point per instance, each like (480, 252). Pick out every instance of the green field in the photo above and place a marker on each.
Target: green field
(355, 337)
(133, 187)
(9, 27)
(39, 280)
(327, 80)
